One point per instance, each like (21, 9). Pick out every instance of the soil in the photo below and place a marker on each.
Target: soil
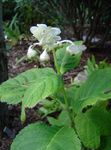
(19, 51)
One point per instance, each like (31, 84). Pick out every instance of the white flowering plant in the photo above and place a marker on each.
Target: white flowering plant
(84, 121)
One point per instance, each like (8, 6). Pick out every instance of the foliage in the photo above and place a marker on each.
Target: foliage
(12, 31)
(91, 92)
(50, 138)
(92, 124)
(48, 107)
(92, 65)
(66, 61)
(83, 118)
(89, 18)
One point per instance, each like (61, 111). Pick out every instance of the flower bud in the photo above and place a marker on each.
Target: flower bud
(31, 52)
(44, 56)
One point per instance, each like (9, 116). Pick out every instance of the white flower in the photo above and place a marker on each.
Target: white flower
(49, 41)
(80, 78)
(55, 30)
(47, 36)
(75, 49)
(38, 31)
(31, 52)
(44, 56)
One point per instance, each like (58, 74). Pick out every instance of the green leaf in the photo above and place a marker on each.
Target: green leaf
(70, 92)
(65, 60)
(49, 107)
(62, 120)
(102, 118)
(91, 65)
(96, 88)
(42, 88)
(42, 137)
(92, 124)
(88, 131)
(12, 91)
(78, 42)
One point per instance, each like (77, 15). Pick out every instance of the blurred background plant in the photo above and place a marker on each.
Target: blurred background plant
(82, 19)
(12, 31)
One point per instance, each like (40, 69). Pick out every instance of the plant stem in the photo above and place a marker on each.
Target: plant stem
(56, 63)
(67, 108)
(64, 92)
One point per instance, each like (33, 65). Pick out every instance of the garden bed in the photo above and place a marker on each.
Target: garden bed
(19, 51)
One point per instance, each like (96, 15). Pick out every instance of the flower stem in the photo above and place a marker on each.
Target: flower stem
(64, 92)
(65, 41)
(68, 109)
(56, 63)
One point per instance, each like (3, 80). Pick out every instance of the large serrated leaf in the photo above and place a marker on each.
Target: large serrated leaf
(96, 88)
(87, 130)
(92, 124)
(102, 118)
(12, 91)
(67, 61)
(41, 89)
(42, 137)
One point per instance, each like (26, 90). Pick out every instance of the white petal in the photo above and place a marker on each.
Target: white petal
(33, 29)
(75, 49)
(72, 49)
(37, 32)
(57, 38)
(56, 31)
(83, 47)
(41, 42)
(42, 25)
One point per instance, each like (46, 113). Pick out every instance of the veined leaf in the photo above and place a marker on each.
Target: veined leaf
(67, 61)
(42, 137)
(102, 118)
(92, 124)
(12, 91)
(62, 120)
(96, 88)
(41, 89)
(87, 130)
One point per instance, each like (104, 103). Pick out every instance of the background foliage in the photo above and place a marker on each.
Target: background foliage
(85, 17)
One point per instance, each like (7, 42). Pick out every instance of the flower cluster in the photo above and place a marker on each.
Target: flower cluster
(49, 38)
